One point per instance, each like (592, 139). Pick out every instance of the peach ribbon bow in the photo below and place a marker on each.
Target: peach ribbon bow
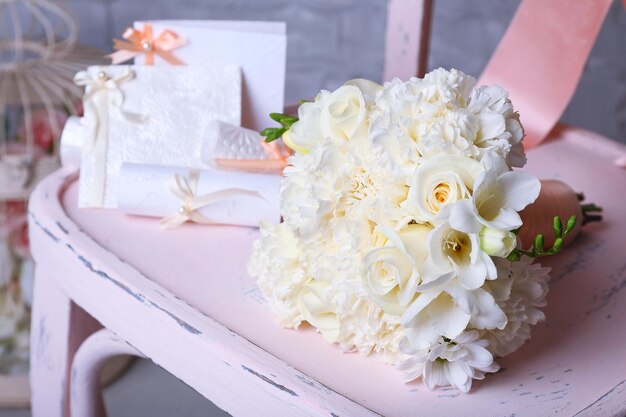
(137, 42)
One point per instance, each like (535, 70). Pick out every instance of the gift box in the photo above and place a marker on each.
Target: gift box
(150, 115)
(177, 195)
(259, 48)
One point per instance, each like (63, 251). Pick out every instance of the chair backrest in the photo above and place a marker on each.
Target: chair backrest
(407, 38)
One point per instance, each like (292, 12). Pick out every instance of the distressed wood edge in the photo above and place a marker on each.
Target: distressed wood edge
(612, 403)
(237, 374)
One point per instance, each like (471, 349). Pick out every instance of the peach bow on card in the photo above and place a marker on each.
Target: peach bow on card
(137, 42)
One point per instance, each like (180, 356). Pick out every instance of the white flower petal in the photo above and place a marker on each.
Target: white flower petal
(421, 302)
(459, 374)
(471, 275)
(519, 189)
(486, 313)
(464, 218)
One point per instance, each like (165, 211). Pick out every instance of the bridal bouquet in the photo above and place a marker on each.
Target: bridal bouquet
(400, 212)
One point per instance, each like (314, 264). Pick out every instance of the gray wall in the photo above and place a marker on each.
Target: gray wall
(331, 41)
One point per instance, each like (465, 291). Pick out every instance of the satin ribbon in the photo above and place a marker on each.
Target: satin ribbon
(137, 42)
(541, 58)
(102, 93)
(276, 162)
(102, 83)
(186, 190)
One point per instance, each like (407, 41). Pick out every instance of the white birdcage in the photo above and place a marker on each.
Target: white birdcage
(39, 56)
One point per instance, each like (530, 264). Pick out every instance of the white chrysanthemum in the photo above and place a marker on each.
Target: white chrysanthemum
(501, 129)
(455, 362)
(520, 290)
(276, 262)
(310, 194)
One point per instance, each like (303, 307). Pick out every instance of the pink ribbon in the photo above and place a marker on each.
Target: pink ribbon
(541, 58)
(138, 42)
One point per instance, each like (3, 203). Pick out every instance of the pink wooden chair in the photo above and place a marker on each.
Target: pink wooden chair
(108, 284)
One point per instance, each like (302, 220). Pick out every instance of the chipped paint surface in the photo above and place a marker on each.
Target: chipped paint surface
(270, 381)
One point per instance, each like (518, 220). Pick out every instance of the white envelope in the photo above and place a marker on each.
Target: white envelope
(178, 105)
(259, 48)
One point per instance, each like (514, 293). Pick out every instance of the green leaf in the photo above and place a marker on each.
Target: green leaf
(557, 226)
(571, 223)
(273, 133)
(538, 244)
(558, 245)
(276, 116)
(514, 256)
(284, 119)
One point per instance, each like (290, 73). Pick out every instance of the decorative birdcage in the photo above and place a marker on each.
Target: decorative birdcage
(39, 56)
(38, 59)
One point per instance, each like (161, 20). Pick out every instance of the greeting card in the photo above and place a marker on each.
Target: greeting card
(259, 48)
(149, 114)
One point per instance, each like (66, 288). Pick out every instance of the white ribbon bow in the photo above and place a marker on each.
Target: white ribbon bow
(101, 93)
(186, 190)
(103, 83)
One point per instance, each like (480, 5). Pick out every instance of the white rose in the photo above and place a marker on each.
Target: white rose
(497, 242)
(368, 88)
(344, 114)
(438, 182)
(391, 272)
(307, 131)
(313, 304)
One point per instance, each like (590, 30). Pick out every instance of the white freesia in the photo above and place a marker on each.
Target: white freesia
(495, 202)
(452, 249)
(455, 362)
(438, 182)
(497, 242)
(434, 314)
(447, 309)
